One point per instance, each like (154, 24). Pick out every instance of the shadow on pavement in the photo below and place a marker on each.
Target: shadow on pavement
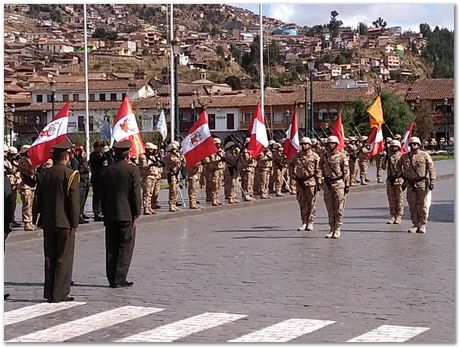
(24, 300)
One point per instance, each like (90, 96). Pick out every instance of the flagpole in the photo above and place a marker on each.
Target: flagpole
(261, 49)
(86, 84)
(172, 110)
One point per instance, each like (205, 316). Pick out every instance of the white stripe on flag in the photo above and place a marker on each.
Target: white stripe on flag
(284, 331)
(390, 333)
(183, 328)
(191, 141)
(29, 312)
(79, 327)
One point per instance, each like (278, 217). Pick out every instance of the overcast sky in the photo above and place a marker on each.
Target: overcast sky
(406, 15)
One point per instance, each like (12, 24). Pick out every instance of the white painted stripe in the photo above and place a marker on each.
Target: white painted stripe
(183, 328)
(29, 312)
(284, 331)
(390, 333)
(79, 327)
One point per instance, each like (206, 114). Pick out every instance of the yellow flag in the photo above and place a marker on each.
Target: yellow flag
(375, 112)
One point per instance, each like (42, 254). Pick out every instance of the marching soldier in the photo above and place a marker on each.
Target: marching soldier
(84, 170)
(335, 169)
(307, 173)
(418, 169)
(193, 177)
(231, 172)
(15, 179)
(27, 187)
(379, 159)
(363, 161)
(173, 163)
(58, 206)
(265, 163)
(247, 169)
(279, 166)
(215, 164)
(121, 202)
(353, 150)
(150, 167)
(395, 183)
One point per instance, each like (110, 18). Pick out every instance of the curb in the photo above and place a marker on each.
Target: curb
(99, 226)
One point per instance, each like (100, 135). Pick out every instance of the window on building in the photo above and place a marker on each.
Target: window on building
(322, 114)
(212, 121)
(278, 117)
(247, 117)
(91, 123)
(123, 95)
(113, 96)
(92, 97)
(75, 97)
(65, 97)
(39, 98)
(81, 123)
(102, 96)
(230, 121)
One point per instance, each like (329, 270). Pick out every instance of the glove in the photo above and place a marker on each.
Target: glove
(347, 189)
(431, 187)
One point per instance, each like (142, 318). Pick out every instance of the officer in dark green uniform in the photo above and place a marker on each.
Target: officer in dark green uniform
(58, 207)
(121, 204)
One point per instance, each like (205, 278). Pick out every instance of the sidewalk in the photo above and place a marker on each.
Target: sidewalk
(444, 170)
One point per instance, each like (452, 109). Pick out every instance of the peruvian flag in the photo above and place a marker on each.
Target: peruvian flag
(376, 142)
(291, 144)
(338, 132)
(125, 128)
(198, 144)
(258, 134)
(405, 140)
(54, 133)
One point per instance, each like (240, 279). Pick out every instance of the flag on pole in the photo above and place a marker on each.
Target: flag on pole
(54, 133)
(291, 144)
(198, 144)
(376, 142)
(338, 132)
(375, 112)
(161, 125)
(125, 128)
(105, 130)
(258, 134)
(405, 140)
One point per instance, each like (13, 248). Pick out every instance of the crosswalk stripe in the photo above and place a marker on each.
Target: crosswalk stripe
(79, 327)
(284, 331)
(29, 312)
(390, 333)
(183, 328)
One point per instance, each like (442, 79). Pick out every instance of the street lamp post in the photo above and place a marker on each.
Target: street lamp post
(306, 111)
(445, 119)
(176, 51)
(9, 123)
(194, 101)
(311, 66)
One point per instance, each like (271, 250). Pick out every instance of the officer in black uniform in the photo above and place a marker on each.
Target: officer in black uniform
(97, 162)
(58, 206)
(121, 206)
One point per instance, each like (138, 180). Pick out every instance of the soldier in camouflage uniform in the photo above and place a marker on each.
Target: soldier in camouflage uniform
(363, 161)
(379, 159)
(307, 173)
(231, 172)
(27, 187)
(352, 149)
(150, 167)
(173, 162)
(15, 179)
(265, 163)
(214, 164)
(279, 168)
(394, 183)
(247, 169)
(335, 169)
(193, 177)
(418, 169)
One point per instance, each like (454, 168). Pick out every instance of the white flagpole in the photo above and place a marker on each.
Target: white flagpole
(171, 64)
(262, 103)
(86, 84)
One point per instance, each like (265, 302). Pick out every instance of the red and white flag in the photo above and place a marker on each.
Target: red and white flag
(338, 132)
(376, 142)
(198, 144)
(258, 134)
(291, 144)
(405, 140)
(125, 128)
(54, 133)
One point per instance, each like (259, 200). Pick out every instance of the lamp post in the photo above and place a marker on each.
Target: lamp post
(445, 119)
(9, 123)
(306, 111)
(53, 92)
(311, 66)
(194, 100)
(176, 51)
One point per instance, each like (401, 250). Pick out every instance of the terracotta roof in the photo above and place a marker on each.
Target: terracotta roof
(13, 89)
(432, 89)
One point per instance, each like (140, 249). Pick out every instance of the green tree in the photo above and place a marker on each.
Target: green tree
(362, 28)
(99, 33)
(379, 23)
(425, 30)
(220, 51)
(233, 81)
(424, 120)
(236, 53)
(334, 24)
(440, 52)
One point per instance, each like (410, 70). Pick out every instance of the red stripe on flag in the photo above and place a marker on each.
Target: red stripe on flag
(39, 153)
(205, 149)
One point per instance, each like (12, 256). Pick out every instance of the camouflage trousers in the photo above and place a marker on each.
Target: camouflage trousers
(306, 196)
(173, 184)
(418, 205)
(150, 191)
(334, 198)
(363, 167)
(353, 168)
(379, 167)
(395, 199)
(27, 198)
(292, 182)
(247, 183)
(271, 181)
(193, 183)
(256, 187)
(278, 178)
(14, 197)
(229, 185)
(208, 185)
(263, 183)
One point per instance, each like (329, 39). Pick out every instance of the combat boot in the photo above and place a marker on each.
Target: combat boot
(363, 183)
(422, 229)
(279, 194)
(195, 206)
(29, 227)
(309, 226)
(391, 220)
(413, 229)
(302, 227)
(231, 201)
(148, 211)
(214, 203)
(379, 181)
(329, 235)
(173, 208)
(336, 234)
(397, 220)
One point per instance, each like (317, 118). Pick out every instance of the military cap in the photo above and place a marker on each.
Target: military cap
(398, 136)
(97, 144)
(396, 143)
(415, 140)
(314, 142)
(388, 139)
(246, 141)
(364, 138)
(5, 148)
(229, 145)
(352, 138)
(25, 148)
(217, 140)
(122, 145)
(12, 150)
(61, 147)
(150, 146)
(333, 139)
(276, 145)
(175, 142)
(271, 142)
(105, 149)
(171, 147)
(305, 140)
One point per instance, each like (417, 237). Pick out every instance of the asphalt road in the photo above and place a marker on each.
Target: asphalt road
(253, 269)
